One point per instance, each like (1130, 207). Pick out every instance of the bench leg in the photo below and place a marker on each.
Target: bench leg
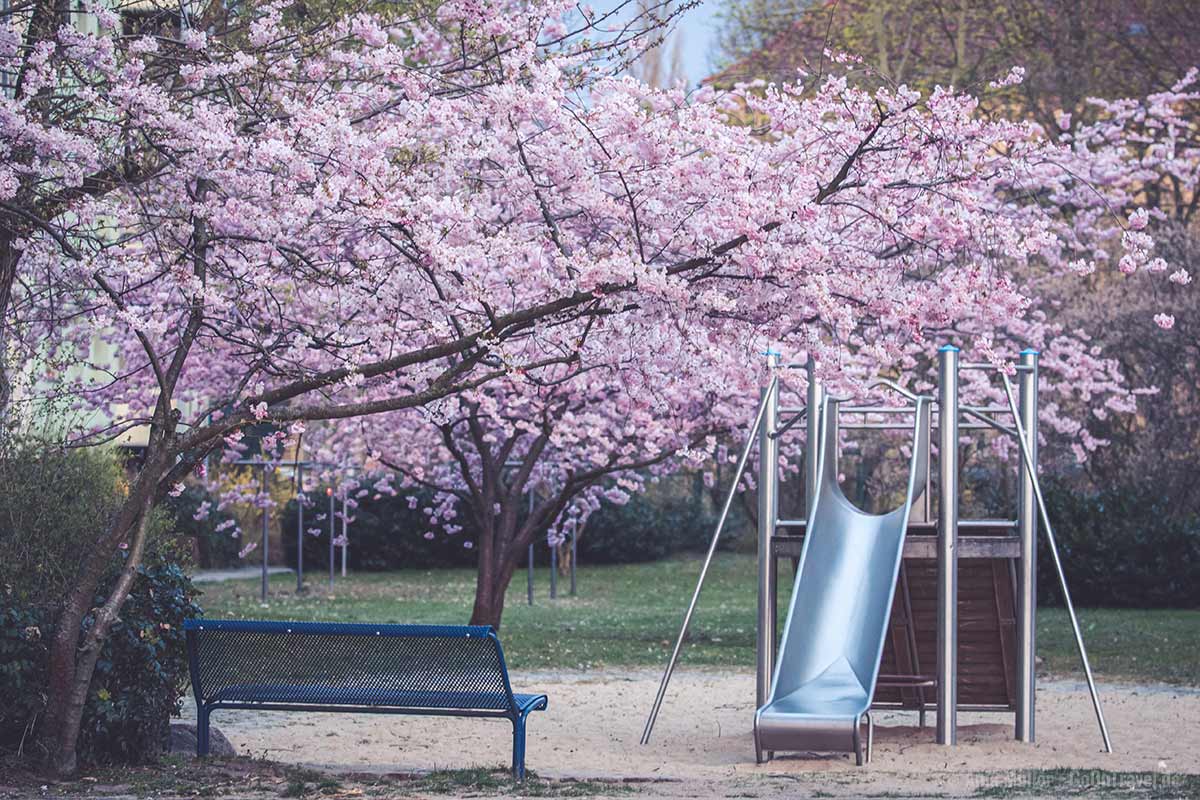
(518, 764)
(202, 714)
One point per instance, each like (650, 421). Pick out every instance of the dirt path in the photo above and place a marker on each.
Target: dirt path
(703, 746)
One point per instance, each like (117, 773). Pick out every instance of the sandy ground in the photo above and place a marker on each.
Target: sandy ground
(702, 744)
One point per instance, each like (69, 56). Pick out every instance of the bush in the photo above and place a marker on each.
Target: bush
(138, 680)
(54, 502)
(214, 548)
(385, 534)
(650, 526)
(1120, 548)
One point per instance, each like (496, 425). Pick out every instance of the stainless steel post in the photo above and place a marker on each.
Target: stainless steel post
(299, 528)
(574, 552)
(924, 512)
(816, 401)
(1058, 567)
(332, 532)
(708, 557)
(529, 566)
(529, 577)
(947, 568)
(266, 539)
(1027, 566)
(553, 572)
(345, 533)
(768, 513)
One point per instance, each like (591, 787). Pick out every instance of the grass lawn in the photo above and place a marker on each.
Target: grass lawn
(628, 616)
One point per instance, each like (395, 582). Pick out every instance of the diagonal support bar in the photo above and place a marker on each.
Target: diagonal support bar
(712, 549)
(1062, 578)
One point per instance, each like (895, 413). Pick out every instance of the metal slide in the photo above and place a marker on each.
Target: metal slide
(833, 640)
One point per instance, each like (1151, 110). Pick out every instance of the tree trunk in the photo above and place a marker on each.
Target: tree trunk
(488, 608)
(492, 583)
(73, 652)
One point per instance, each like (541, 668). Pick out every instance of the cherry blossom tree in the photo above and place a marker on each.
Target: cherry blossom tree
(462, 214)
(533, 456)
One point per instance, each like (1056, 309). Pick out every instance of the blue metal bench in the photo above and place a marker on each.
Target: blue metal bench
(442, 670)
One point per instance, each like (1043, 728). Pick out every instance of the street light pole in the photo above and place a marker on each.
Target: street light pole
(299, 528)
(332, 533)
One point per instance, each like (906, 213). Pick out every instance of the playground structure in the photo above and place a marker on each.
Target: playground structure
(880, 599)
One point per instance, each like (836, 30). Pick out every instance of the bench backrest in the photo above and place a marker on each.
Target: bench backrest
(350, 661)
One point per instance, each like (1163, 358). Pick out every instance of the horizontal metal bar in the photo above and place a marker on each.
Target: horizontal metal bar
(924, 526)
(873, 426)
(969, 523)
(890, 426)
(930, 704)
(983, 366)
(258, 462)
(876, 410)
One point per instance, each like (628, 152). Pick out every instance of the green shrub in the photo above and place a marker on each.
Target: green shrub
(55, 501)
(138, 680)
(385, 534)
(214, 548)
(1120, 548)
(650, 526)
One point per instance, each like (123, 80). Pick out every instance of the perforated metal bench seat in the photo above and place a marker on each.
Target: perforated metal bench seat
(443, 670)
(414, 702)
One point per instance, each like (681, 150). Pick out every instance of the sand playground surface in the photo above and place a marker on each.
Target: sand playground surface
(702, 744)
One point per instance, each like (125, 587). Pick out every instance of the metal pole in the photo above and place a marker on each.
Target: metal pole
(816, 398)
(299, 528)
(529, 577)
(1062, 577)
(1027, 565)
(768, 513)
(266, 540)
(553, 572)
(947, 576)
(345, 539)
(574, 551)
(529, 569)
(926, 510)
(712, 549)
(332, 532)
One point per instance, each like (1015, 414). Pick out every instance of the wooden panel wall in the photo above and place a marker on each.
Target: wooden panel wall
(986, 633)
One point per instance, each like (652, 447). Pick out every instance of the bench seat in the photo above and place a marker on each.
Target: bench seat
(250, 693)
(442, 670)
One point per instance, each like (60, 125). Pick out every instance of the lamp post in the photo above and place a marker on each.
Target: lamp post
(299, 528)
(266, 539)
(332, 533)
(345, 536)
